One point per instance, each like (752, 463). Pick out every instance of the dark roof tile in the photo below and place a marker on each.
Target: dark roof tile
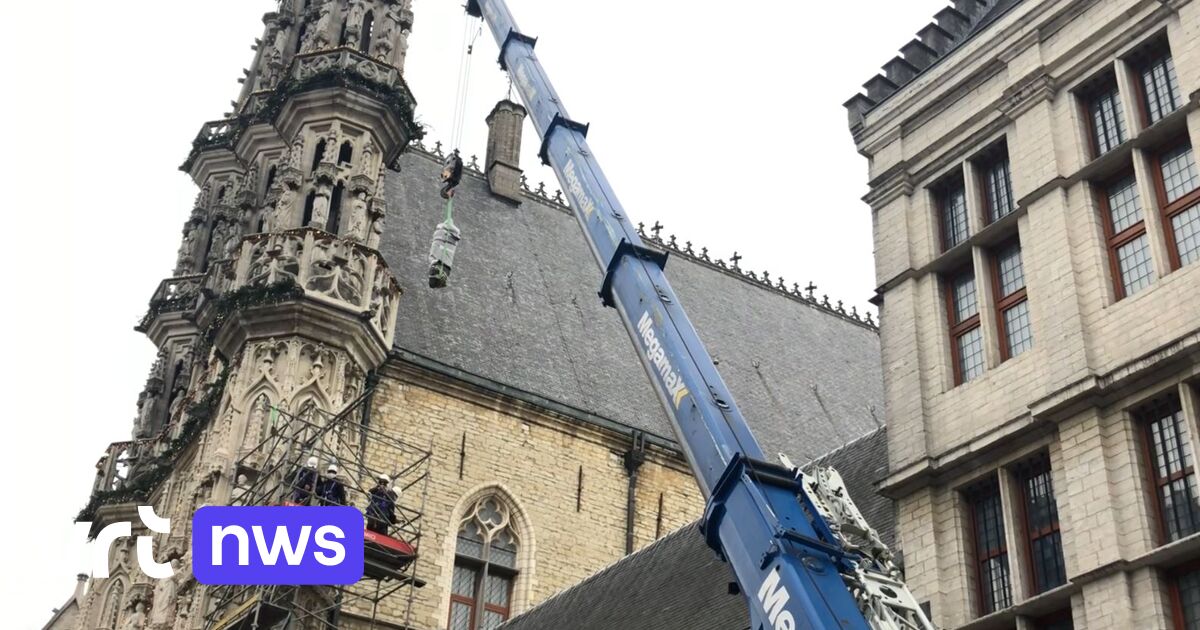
(521, 309)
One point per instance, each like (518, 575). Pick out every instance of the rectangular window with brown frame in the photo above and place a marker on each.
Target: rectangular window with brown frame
(1012, 303)
(1125, 231)
(1185, 596)
(1157, 83)
(1169, 460)
(478, 601)
(995, 177)
(966, 335)
(1177, 182)
(991, 553)
(1040, 511)
(1105, 118)
(951, 199)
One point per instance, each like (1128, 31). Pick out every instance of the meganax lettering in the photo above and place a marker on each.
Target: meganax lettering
(658, 358)
(575, 188)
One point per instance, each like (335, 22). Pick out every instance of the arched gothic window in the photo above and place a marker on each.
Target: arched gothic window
(335, 209)
(346, 153)
(342, 36)
(317, 155)
(270, 179)
(112, 606)
(309, 203)
(485, 567)
(301, 35)
(208, 246)
(368, 27)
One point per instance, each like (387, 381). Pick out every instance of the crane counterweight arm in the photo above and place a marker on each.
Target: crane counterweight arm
(786, 558)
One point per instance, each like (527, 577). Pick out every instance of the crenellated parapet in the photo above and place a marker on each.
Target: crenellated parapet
(951, 26)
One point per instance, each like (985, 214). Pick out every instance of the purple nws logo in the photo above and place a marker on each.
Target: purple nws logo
(277, 545)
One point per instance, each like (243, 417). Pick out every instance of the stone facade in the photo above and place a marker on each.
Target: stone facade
(1024, 80)
(567, 480)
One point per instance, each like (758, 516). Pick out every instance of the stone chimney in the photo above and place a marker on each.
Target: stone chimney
(80, 589)
(502, 166)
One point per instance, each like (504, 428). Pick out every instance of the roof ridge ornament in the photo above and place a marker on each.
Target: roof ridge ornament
(806, 294)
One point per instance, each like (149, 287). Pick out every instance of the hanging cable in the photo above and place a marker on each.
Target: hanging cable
(447, 235)
(463, 89)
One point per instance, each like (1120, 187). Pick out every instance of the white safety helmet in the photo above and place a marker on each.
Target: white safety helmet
(332, 469)
(312, 462)
(384, 478)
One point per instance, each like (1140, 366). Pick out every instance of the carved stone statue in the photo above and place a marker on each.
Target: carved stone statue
(277, 218)
(166, 599)
(240, 487)
(136, 619)
(234, 191)
(141, 424)
(272, 67)
(358, 218)
(185, 372)
(296, 152)
(382, 46)
(280, 42)
(233, 239)
(176, 404)
(332, 146)
(204, 196)
(368, 157)
(187, 249)
(320, 213)
(319, 40)
(253, 175)
(401, 51)
(376, 235)
(354, 20)
(158, 372)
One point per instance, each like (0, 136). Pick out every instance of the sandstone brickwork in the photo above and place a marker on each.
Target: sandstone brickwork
(1022, 79)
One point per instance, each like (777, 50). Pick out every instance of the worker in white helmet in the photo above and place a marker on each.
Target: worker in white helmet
(330, 489)
(381, 509)
(305, 482)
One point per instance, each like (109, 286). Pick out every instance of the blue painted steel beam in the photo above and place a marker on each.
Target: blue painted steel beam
(758, 517)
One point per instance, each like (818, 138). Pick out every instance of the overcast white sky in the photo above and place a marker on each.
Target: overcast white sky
(722, 120)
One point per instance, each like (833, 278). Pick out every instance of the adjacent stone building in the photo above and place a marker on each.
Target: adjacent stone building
(509, 409)
(1036, 205)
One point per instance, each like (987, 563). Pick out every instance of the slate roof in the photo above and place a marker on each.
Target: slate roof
(678, 583)
(521, 310)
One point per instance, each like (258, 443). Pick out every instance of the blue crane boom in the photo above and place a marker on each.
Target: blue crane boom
(759, 517)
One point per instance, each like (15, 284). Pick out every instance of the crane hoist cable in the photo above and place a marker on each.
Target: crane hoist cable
(447, 235)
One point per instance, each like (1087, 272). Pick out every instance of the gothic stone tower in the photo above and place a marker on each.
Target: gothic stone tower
(279, 297)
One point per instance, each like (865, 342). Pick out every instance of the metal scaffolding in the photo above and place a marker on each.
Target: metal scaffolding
(268, 475)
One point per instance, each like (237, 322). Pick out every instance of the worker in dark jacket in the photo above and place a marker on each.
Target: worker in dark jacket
(330, 490)
(305, 482)
(452, 170)
(381, 510)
